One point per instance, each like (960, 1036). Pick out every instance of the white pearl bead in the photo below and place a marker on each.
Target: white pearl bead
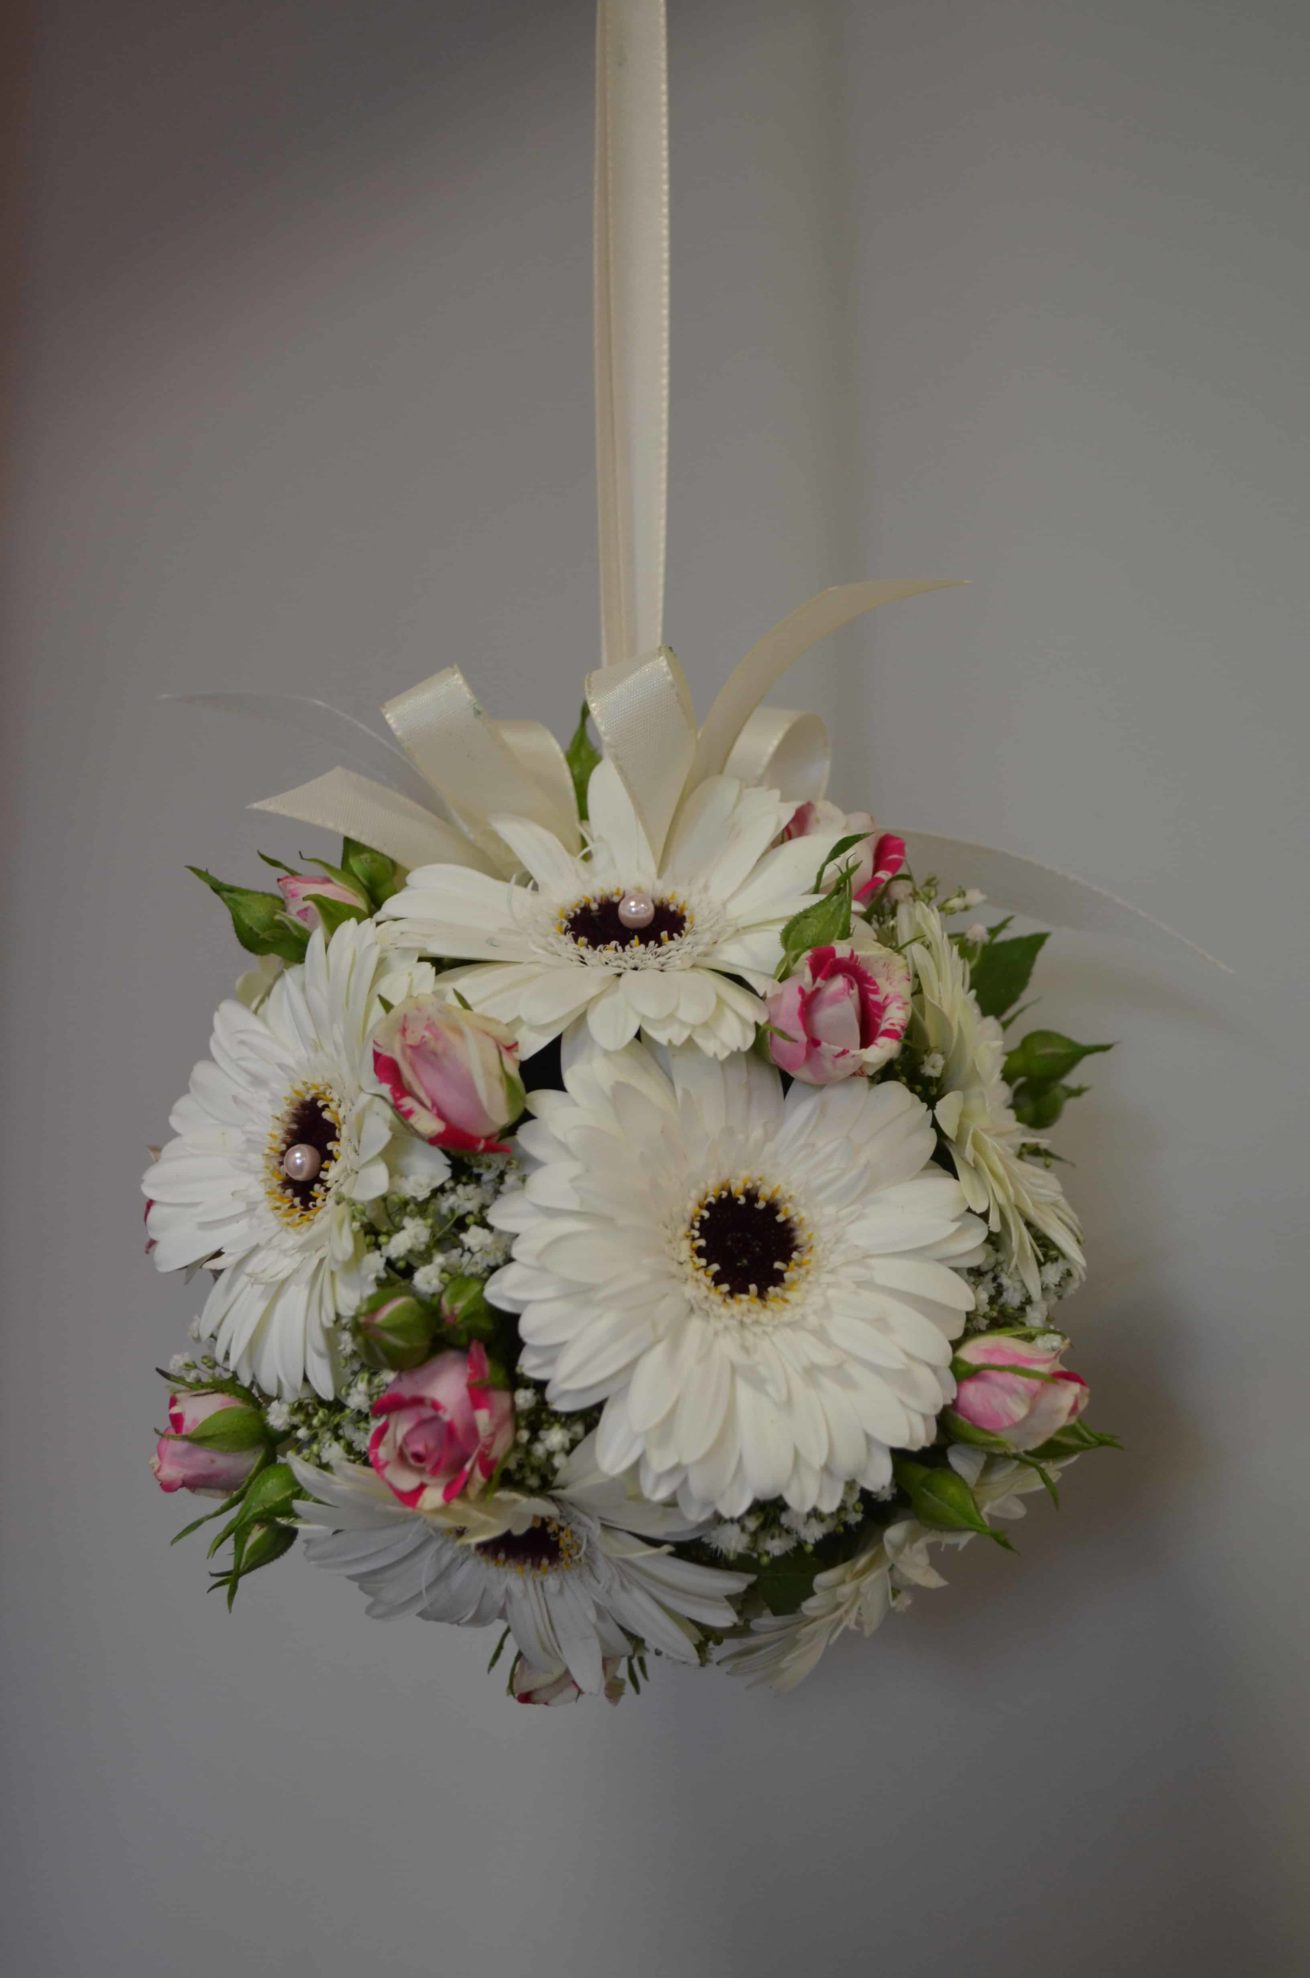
(302, 1162)
(636, 909)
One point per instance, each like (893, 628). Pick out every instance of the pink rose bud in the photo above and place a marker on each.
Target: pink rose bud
(190, 1465)
(443, 1430)
(877, 858)
(452, 1074)
(393, 1329)
(303, 890)
(1016, 1388)
(844, 1012)
(529, 1684)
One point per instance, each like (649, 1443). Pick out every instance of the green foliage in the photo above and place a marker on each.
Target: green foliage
(229, 1430)
(842, 846)
(263, 1529)
(1040, 1106)
(260, 920)
(943, 1500)
(1043, 1057)
(1000, 971)
(582, 755)
(784, 1583)
(379, 875)
(817, 926)
(1074, 1439)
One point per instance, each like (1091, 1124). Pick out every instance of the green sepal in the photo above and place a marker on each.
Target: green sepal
(379, 875)
(230, 1430)
(582, 756)
(842, 845)
(333, 914)
(1001, 971)
(1074, 1439)
(259, 920)
(1043, 1057)
(219, 1511)
(269, 1495)
(249, 1553)
(405, 1339)
(959, 1430)
(942, 1499)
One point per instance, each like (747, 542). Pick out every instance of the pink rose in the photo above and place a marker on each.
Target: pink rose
(532, 1685)
(844, 1011)
(302, 891)
(454, 1075)
(189, 1465)
(1016, 1388)
(443, 1429)
(877, 858)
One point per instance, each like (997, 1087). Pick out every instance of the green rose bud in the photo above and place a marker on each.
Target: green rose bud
(394, 1330)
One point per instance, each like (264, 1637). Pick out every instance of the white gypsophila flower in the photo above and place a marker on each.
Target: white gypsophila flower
(554, 951)
(295, 1074)
(782, 1649)
(760, 1290)
(1015, 1195)
(583, 1573)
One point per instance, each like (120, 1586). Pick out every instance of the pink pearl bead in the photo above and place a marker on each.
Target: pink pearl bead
(302, 1162)
(636, 909)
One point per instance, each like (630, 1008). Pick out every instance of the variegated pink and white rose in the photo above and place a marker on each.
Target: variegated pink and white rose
(443, 1430)
(452, 1073)
(1016, 1388)
(877, 858)
(843, 1013)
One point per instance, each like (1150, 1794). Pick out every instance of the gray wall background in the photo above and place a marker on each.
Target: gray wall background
(300, 399)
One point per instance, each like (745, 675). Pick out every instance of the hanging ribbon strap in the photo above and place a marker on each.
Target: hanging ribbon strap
(631, 321)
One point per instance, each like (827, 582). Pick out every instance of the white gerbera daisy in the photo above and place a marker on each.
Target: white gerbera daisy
(280, 1131)
(576, 1576)
(616, 936)
(1016, 1195)
(782, 1649)
(759, 1290)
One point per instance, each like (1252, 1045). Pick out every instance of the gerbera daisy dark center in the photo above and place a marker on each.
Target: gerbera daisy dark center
(546, 1546)
(747, 1240)
(595, 923)
(309, 1120)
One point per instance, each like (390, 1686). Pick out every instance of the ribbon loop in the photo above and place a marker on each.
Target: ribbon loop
(787, 751)
(357, 807)
(647, 726)
(463, 754)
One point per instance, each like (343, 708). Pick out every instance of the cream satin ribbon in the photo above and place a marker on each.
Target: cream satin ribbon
(451, 769)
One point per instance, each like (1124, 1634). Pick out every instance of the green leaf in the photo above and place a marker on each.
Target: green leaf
(818, 926)
(259, 920)
(379, 875)
(942, 1499)
(267, 1543)
(1002, 970)
(784, 1583)
(1044, 1056)
(1074, 1439)
(1040, 1106)
(582, 755)
(230, 1429)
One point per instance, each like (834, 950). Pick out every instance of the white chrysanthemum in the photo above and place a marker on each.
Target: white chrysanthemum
(760, 1290)
(576, 1576)
(295, 1073)
(1016, 1195)
(782, 1649)
(557, 950)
